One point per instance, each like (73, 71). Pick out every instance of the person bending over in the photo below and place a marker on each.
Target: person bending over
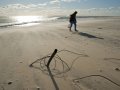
(72, 20)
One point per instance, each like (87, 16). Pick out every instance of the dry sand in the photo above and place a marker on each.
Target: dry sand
(89, 60)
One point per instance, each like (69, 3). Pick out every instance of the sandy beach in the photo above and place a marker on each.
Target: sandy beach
(86, 60)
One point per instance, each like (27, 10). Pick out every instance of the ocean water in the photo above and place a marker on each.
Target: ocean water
(8, 21)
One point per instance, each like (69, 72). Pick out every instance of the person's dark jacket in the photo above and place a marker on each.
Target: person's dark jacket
(73, 17)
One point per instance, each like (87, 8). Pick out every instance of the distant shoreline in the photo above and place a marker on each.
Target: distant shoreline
(9, 21)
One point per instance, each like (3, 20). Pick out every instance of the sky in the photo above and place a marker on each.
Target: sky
(60, 7)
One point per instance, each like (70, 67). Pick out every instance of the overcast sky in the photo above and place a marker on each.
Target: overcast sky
(60, 7)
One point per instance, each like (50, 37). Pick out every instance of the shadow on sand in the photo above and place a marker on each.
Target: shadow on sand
(88, 35)
(52, 78)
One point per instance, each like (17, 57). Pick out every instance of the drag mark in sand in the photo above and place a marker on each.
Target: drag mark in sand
(111, 59)
(115, 61)
(77, 81)
(58, 66)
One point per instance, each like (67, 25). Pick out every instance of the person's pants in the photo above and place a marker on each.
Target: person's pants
(71, 24)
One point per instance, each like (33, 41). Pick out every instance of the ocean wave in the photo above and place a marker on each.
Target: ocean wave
(23, 20)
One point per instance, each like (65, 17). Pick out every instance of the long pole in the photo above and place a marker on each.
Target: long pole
(53, 54)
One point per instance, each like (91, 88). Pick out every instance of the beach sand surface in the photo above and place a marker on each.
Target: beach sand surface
(86, 60)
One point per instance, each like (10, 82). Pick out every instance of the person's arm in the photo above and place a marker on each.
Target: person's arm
(70, 18)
